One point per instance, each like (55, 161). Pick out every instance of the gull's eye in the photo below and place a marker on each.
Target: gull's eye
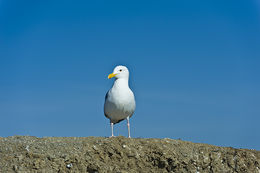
(120, 70)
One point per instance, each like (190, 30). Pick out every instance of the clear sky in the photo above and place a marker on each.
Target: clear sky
(194, 68)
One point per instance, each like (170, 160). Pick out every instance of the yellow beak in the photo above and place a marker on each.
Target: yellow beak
(111, 75)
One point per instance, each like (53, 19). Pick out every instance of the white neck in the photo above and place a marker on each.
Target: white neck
(121, 82)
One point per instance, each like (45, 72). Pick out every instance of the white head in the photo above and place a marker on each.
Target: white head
(119, 72)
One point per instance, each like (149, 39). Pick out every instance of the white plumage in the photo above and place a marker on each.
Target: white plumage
(120, 100)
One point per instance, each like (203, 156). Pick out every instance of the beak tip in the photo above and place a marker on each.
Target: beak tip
(111, 75)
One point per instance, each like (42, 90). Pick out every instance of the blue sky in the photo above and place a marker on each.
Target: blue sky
(194, 68)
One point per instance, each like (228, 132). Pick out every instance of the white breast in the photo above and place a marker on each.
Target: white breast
(119, 103)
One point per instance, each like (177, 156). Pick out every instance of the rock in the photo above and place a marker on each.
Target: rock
(120, 154)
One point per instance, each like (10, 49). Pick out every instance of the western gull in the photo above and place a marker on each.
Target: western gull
(119, 101)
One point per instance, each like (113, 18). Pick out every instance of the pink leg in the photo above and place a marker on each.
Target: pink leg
(112, 124)
(128, 126)
(112, 131)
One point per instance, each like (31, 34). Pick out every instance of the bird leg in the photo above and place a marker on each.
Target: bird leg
(128, 126)
(112, 124)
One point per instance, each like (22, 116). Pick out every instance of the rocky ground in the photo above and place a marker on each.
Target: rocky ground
(120, 155)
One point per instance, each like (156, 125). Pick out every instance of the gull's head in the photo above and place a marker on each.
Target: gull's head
(119, 72)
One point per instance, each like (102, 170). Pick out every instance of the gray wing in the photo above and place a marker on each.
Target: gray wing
(106, 95)
(104, 103)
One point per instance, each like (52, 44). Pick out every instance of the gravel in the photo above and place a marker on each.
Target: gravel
(26, 154)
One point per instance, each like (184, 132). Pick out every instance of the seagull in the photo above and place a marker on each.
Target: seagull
(120, 100)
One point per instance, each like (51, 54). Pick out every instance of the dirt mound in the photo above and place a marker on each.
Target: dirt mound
(98, 154)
